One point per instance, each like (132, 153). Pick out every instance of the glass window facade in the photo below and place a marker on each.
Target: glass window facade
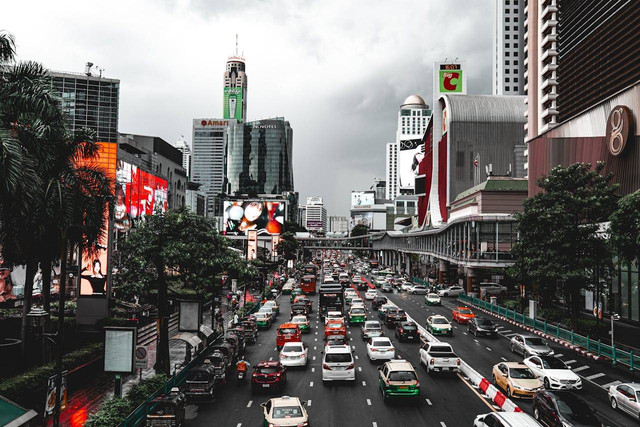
(259, 157)
(625, 297)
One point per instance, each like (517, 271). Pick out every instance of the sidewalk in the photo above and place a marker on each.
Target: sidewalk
(87, 399)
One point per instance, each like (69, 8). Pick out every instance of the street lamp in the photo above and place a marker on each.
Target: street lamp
(614, 317)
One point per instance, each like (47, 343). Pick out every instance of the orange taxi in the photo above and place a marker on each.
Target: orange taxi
(335, 329)
(462, 314)
(288, 332)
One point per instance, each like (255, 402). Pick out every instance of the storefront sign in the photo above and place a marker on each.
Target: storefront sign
(618, 125)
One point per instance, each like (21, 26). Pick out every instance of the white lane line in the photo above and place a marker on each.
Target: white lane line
(443, 424)
(239, 425)
(275, 349)
(558, 355)
(374, 424)
(311, 384)
(309, 402)
(316, 339)
(499, 327)
(488, 348)
(364, 383)
(476, 340)
(314, 358)
(581, 368)
(356, 357)
(508, 335)
(316, 333)
(570, 361)
(271, 358)
(503, 359)
(313, 369)
(314, 347)
(369, 402)
(594, 376)
(506, 330)
(428, 402)
(614, 383)
(464, 333)
(359, 368)
(249, 404)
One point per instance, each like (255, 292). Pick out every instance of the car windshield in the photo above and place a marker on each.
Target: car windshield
(261, 315)
(292, 348)
(521, 373)
(381, 343)
(266, 369)
(198, 376)
(299, 319)
(440, 321)
(402, 376)
(485, 322)
(338, 358)
(409, 327)
(553, 363)
(357, 311)
(335, 325)
(534, 341)
(570, 405)
(433, 295)
(287, 331)
(465, 311)
(372, 325)
(287, 412)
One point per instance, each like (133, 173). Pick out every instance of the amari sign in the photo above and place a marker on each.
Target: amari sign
(618, 125)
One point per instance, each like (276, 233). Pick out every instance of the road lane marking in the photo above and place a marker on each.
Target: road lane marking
(309, 402)
(249, 404)
(581, 368)
(316, 333)
(271, 358)
(465, 333)
(558, 355)
(313, 369)
(364, 383)
(316, 339)
(594, 376)
(374, 424)
(509, 335)
(614, 383)
(488, 348)
(476, 393)
(443, 424)
(239, 425)
(369, 402)
(477, 342)
(275, 349)
(503, 359)
(570, 361)
(428, 402)
(311, 384)
(359, 368)
(314, 347)
(356, 357)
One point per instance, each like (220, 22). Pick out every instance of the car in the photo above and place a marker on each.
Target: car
(407, 331)
(482, 326)
(273, 305)
(393, 316)
(370, 329)
(303, 323)
(438, 357)
(554, 373)
(357, 301)
(386, 287)
(378, 300)
(462, 314)
(451, 291)
(505, 419)
(397, 378)
(563, 408)
(335, 328)
(405, 286)
(285, 411)
(288, 332)
(294, 293)
(516, 379)
(357, 315)
(417, 290)
(268, 374)
(432, 299)
(287, 288)
(439, 325)
(328, 279)
(299, 308)
(303, 299)
(492, 289)
(333, 315)
(382, 310)
(263, 320)
(529, 345)
(380, 348)
(370, 294)
(349, 296)
(626, 397)
(269, 311)
(380, 281)
(335, 340)
(294, 354)
(338, 364)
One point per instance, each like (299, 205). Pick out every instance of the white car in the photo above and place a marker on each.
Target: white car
(417, 289)
(370, 329)
(554, 373)
(333, 315)
(406, 286)
(357, 301)
(294, 354)
(268, 310)
(328, 279)
(432, 299)
(380, 348)
(487, 288)
(370, 294)
(285, 411)
(380, 281)
(338, 364)
(519, 419)
(451, 291)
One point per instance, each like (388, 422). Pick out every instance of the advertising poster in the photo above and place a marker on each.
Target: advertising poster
(232, 103)
(365, 218)
(411, 153)
(262, 216)
(275, 242)
(252, 245)
(50, 404)
(119, 346)
(450, 78)
(138, 194)
(314, 225)
(362, 199)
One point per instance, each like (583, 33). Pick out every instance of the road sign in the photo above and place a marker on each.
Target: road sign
(142, 356)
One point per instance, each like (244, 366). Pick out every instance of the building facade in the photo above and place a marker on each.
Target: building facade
(207, 161)
(508, 47)
(315, 215)
(259, 157)
(391, 171)
(89, 101)
(338, 224)
(234, 104)
(196, 200)
(185, 149)
(413, 118)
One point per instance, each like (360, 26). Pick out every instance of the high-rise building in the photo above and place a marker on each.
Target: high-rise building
(508, 47)
(89, 101)
(338, 224)
(302, 216)
(185, 149)
(316, 215)
(207, 162)
(391, 170)
(259, 157)
(234, 104)
(413, 117)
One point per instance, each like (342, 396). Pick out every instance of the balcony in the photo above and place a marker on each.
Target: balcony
(551, 96)
(526, 165)
(526, 152)
(549, 38)
(552, 8)
(549, 68)
(548, 24)
(526, 60)
(526, 35)
(549, 112)
(526, 87)
(549, 53)
(548, 82)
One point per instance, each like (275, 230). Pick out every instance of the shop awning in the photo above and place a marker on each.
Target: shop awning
(206, 331)
(188, 337)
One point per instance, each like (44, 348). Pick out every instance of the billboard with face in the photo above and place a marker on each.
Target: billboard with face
(364, 218)
(232, 103)
(265, 217)
(410, 153)
(361, 199)
(138, 194)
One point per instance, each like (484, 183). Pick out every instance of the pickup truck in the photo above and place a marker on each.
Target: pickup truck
(439, 356)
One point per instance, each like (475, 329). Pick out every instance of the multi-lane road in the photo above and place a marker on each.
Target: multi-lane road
(446, 400)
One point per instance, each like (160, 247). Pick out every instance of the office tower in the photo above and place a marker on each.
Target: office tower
(508, 47)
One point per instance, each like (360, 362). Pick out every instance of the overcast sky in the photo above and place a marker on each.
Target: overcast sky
(336, 69)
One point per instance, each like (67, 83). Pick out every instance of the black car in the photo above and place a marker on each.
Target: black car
(394, 316)
(378, 300)
(481, 326)
(386, 287)
(407, 331)
(299, 308)
(560, 408)
(306, 301)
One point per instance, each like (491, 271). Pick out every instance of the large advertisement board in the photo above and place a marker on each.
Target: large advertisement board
(410, 153)
(364, 218)
(362, 199)
(252, 245)
(450, 78)
(265, 217)
(138, 193)
(232, 103)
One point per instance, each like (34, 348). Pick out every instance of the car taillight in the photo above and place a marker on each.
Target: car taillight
(325, 366)
(283, 356)
(431, 362)
(458, 362)
(351, 366)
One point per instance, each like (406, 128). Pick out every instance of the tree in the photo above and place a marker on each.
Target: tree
(294, 227)
(559, 229)
(288, 246)
(625, 229)
(359, 230)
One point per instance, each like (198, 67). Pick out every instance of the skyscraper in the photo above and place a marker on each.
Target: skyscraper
(508, 47)
(391, 170)
(185, 149)
(234, 104)
(316, 215)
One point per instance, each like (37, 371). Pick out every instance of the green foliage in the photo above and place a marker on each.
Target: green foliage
(29, 382)
(288, 246)
(625, 228)
(359, 230)
(511, 304)
(293, 227)
(116, 409)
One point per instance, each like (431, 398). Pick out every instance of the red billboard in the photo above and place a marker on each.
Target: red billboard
(138, 194)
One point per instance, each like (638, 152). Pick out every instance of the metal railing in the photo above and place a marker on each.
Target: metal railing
(616, 355)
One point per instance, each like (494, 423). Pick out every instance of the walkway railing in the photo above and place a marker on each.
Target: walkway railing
(616, 355)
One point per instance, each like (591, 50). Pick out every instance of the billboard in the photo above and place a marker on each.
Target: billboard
(410, 153)
(362, 199)
(364, 218)
(138, 193)
(265, 217)
(450, 79)
(252, 245)
(315, 225)
(232, 107)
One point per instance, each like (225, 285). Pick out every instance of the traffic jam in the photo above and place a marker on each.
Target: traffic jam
(345, 342)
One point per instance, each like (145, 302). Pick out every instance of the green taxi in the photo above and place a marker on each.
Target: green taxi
(397, 378)
(357, 315)
(294, 293)
(439, 325)
(432, 299)
(302, 322)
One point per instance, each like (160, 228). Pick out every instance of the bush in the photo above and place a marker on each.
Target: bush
(35, 379)
(116, 409)
(511, 304)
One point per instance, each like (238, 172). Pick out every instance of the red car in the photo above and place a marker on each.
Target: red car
(462, 314)
(335, 328)
(288, 332)
(268, 374)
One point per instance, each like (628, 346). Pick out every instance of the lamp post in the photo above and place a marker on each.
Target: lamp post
(614, 317)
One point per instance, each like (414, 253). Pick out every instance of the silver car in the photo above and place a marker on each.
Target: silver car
(370, 329)
(530, 345)
(626, 397)
(451, 291)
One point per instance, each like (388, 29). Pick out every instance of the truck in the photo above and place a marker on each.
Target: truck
(439, 357)
(331, 298)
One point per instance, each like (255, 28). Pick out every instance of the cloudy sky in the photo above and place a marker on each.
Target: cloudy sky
(336, 69)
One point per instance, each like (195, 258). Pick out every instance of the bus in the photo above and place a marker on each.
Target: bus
(331, 298)
(308, 284)
(310, 270)
(373, 263)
